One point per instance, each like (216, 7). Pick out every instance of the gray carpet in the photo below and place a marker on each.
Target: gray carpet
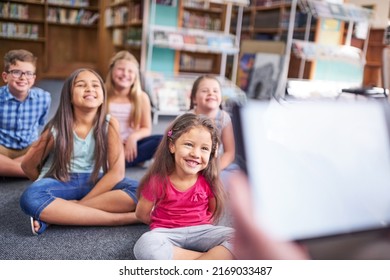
(62, 242)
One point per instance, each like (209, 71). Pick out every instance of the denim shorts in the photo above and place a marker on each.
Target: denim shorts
(158, 243)
(43, 191)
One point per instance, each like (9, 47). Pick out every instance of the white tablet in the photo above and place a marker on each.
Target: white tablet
(317, 168)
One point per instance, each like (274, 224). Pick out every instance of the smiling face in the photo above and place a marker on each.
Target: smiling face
(124, 74)
(192, 151)
(87, 91)
(19, 86)
(208, 95)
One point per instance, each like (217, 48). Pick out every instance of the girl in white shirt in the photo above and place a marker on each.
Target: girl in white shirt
(130, 105)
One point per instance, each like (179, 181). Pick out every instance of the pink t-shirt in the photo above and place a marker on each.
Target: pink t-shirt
(121, 111)
(179, 209)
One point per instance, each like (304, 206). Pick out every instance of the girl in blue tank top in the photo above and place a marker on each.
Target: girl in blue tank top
(78, 163)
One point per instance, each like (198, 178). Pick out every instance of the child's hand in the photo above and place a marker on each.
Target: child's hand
(130, 149)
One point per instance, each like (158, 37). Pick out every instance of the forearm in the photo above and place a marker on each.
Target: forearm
(144, 218)
(225, 159)
(31, 173)
(105, 184)
(141, 133)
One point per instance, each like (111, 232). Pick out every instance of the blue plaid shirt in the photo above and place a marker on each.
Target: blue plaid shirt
(20, 122)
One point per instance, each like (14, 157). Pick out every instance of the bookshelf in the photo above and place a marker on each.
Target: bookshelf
(201, 42)
(72, 36)
(268, 20)
(61, 33)
(23, 25)
(208, 17)
(373, 67)
(124, 20)
(337, 57)
(201, 39)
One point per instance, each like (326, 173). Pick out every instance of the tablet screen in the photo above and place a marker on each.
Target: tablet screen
(317, 168)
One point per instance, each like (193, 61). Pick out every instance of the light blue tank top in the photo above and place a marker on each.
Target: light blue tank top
(82, 160)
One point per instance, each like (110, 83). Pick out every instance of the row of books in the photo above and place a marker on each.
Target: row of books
(75, 3)
(202, 41)
(123, 15)
(72, 16)
(128, 37)
(12, 10)
(267, 19)
(192, 20)
(194, 4)
(299, 21)
(275, 19)
(269, 3)
(19, 30)
(196, 64)
(340, 11)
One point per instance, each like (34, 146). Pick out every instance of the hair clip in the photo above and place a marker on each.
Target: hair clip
(169, 133)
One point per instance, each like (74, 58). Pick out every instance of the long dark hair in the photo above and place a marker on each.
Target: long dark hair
(62, 124)
(164, 163)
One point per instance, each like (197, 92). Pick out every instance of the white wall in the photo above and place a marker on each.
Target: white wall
(382, 8)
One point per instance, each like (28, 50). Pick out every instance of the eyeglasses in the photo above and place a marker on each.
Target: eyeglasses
(16, 74)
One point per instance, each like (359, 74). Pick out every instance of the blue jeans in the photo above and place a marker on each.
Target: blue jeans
(146, 147)
(43, 192)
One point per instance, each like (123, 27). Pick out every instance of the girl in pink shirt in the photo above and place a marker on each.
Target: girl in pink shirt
(181, 196)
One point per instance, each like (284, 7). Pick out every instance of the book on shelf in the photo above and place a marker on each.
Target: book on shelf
(76, 3)
(205, 21)
(135, 12)
(19, 30)
(190, 63)
(134, 36)
(12, 10)
(175, 40)
(72, 16)
(117, 37)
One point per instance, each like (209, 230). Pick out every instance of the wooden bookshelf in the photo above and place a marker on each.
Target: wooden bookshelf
(62, 34)
(124, 24)
(373, 67)
(267, 20)
(201, 16)
(23, 25)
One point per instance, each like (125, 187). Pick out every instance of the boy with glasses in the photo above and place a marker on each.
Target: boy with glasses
(23, 110)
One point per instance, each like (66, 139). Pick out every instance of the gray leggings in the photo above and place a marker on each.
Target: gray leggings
(158, 243)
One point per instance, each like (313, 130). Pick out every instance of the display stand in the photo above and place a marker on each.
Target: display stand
(170, 92)
(312, 51)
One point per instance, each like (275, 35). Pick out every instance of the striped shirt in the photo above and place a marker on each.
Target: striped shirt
(20, 122)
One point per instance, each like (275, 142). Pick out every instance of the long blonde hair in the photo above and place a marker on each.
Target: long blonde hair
(135, 92)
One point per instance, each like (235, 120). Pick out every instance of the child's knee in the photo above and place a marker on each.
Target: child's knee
(153, 246)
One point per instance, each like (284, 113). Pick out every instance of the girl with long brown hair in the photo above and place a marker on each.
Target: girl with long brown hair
(181, 196)
(77, 163)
